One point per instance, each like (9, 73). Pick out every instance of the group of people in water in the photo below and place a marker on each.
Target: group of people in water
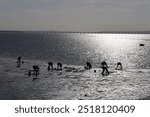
(104, 67)
(36, 69)
(88, 66)
(50, 66)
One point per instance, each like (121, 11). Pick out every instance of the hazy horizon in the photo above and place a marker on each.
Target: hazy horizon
(75, 15)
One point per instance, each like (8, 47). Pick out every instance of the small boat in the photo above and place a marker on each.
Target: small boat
(141, 44)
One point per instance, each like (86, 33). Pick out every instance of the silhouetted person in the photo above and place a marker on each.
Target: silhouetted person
(119, 66)
(104, 67)
(19, 61)
(35, 70)
(88, 65)
(59, 66)
(50, 66)
(29, 73)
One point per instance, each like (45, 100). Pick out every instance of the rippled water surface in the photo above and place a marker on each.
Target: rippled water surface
(77, 48)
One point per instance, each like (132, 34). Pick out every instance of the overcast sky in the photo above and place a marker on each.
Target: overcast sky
(75, 15)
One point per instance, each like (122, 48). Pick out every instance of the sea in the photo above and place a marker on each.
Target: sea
(78, 48)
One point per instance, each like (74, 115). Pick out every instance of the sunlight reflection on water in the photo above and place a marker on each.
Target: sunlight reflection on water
(77, 48)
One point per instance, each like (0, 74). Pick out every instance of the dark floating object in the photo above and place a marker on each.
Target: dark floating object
(141, 44)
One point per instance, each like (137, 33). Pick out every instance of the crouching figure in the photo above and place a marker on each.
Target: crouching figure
(59, 66)
(50, 66)
(119, 66)
(35, 70)
(88, 65)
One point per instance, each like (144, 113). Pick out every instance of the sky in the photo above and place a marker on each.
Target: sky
(75, 15)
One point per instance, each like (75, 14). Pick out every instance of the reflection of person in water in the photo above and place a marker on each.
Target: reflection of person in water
(119, 66)
(104, 67)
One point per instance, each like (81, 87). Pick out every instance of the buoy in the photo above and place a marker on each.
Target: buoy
(141, 44)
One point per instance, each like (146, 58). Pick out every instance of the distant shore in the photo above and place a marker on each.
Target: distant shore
(96, 32)
(72, 83)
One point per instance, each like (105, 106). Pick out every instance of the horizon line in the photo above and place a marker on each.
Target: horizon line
(94, 32)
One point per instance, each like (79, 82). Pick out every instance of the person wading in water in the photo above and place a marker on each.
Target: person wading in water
(104, 66)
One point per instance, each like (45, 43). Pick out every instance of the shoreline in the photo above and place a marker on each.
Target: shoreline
(72, 83)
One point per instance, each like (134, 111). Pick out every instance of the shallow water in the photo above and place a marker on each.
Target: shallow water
(77, 48)
(77, 84)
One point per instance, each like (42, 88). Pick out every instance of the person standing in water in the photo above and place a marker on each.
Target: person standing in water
(104, 67)
(19, 61)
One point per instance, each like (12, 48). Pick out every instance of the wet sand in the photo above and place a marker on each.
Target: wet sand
(72, 83)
